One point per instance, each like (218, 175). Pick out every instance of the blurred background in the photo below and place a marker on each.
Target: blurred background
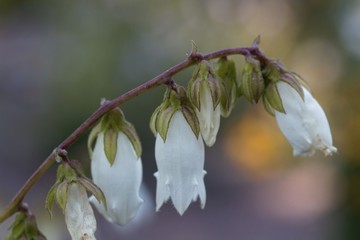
(59, 58)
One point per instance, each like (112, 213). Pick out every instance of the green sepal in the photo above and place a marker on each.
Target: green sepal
(111, 124)
(153, 119)
(31, 230)
(226, 71)
(294, 83)
(194, 92)
(112, 120)
(24, 227)
(92, 137)
(163, 121)
(69, 173)
(272, 71)
(215, 88)
(175, 99)
(244, 87)
(61, 194)
(191, 119)
(60, 177)
(302, 81)
(17, 228)
(110, 144)
(49, 202)
(94, 189)
(273, 97)
(129, 130)
(267, 106)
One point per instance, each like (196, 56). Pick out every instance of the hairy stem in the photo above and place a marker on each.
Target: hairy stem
(194, 57)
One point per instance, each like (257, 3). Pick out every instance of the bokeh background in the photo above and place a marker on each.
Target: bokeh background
(59, 58)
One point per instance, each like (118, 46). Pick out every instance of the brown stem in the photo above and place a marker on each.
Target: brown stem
(194, 57)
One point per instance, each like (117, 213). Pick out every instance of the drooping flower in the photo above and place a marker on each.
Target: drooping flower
(304, 122)
(120, 181)
(79, 216)
(180, 162)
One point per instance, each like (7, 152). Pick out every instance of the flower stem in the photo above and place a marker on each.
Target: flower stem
(195, 57)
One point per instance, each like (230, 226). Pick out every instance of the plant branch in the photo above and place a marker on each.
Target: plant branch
(193, 58)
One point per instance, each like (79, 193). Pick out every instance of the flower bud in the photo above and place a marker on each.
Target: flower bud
(252, 84)
(67, 175)
(226, 71)
(204, 91)
(69, 191)
(24, 227)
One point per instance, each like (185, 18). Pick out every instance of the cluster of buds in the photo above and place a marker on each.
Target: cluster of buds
(184, 121)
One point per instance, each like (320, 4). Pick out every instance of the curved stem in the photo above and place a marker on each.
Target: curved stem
(194, 57)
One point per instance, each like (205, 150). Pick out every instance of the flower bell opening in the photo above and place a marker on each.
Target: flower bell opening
(180, 162)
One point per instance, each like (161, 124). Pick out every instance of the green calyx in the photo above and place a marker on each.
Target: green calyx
(273, 73)
(70, 173)
(111, 124)
(24, 227)
(204, 74)
(272, 99)
(252, 84)
(226, 71)
(175, 99)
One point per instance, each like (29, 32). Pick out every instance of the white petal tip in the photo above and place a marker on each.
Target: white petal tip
(158, 206)
(210, 142)
(181, 210)
(330, 151)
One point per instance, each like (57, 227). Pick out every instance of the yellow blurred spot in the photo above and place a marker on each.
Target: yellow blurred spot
(257, 144)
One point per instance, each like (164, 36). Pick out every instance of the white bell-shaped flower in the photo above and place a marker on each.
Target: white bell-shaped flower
(209, 117)
(180, 162)
(79, 216)
(119, 182)
(304, 124)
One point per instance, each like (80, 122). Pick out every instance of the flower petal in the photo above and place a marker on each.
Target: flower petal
(79, 216)
(119, 182)
(180, 162)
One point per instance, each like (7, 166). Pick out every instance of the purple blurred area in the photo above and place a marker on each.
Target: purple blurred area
(58, 59)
